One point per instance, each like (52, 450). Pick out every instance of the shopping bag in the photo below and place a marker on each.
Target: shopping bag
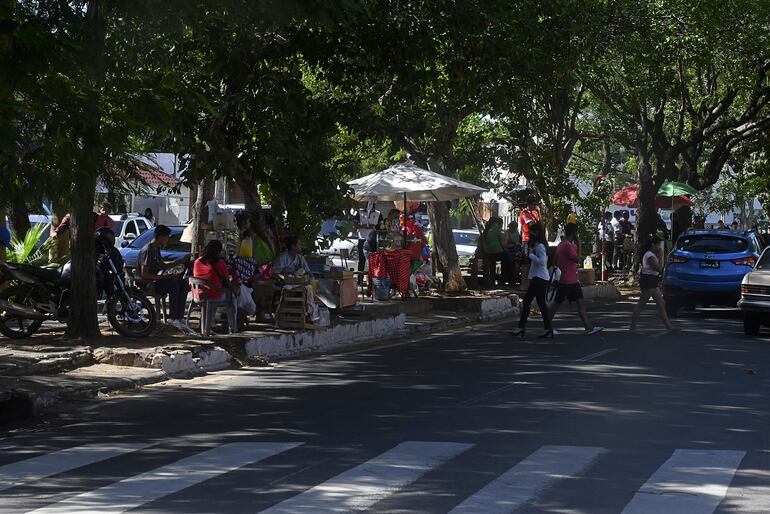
(246, 302)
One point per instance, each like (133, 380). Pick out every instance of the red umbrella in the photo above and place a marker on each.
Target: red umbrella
(629, 197)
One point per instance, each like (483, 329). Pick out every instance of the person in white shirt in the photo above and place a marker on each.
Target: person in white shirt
(291, 261)
(607, 234)
(368, 220)
(649, 282)
(538, 281)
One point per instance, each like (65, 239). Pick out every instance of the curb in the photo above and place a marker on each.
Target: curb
(124, 369)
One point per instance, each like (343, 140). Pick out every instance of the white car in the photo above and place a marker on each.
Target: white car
(128, 229)
(343, 252)
(755, 296)
(466, 242)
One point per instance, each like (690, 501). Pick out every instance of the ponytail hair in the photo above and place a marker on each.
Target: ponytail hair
(537, 235)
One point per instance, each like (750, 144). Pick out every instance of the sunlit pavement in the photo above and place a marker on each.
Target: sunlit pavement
(472, 419)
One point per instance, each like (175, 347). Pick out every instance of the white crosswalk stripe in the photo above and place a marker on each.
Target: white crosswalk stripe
(364, 485)
(36, 468)
(529, 478)
(141, 489)
(690, 482)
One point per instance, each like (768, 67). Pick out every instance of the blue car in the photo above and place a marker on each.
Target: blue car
(706, 268)
(175, 249)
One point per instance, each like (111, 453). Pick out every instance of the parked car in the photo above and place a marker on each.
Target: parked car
(128, 228)
(706, 268)
(755, 296)
(338, 248)
(466, 241)
(176, 249)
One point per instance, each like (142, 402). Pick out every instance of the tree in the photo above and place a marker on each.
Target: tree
(413, 73)
(687, 82)
(541, 107)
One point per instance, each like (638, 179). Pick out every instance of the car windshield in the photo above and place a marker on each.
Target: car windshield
(465, 238)
(764, 261)
(117, 228)
(712, 243)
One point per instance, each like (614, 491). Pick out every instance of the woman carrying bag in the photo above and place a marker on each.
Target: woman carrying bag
(538, 281)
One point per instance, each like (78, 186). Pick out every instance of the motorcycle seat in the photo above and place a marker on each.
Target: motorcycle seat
(44, 274)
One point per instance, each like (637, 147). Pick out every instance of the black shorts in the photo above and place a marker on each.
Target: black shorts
(572, 292)
(648, 281)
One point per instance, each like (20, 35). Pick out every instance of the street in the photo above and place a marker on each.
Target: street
(470, 420)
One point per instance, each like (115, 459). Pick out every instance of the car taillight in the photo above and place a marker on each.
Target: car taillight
(678, 258)
(745, 261)
(749, 289)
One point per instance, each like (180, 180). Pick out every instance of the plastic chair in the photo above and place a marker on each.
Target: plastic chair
(203, 305)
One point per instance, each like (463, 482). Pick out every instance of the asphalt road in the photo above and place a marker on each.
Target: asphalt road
(470, 420)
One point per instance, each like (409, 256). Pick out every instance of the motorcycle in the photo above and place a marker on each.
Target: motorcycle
(36, 295)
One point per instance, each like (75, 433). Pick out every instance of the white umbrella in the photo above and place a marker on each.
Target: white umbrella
(408, 182)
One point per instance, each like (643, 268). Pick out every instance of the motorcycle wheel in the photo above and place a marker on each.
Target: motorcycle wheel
(12, 325)
(133, 316)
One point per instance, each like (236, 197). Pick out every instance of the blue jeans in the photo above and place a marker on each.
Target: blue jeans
(177, 293)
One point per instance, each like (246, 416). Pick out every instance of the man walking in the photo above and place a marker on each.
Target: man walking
(567, 259)
(150, 266)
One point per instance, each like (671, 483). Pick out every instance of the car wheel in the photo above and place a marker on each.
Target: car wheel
(751, 323)
(672, 307)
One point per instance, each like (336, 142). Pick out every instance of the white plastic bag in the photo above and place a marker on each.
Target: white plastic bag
(246, 302)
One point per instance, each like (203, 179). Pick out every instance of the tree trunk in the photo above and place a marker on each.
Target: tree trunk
(83, 321)
(20, 217)
(255, 211)
(647, 190)
(445, 247)
(204, 192)
(441, 229)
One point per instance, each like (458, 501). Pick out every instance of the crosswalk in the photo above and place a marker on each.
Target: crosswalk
(686, 481)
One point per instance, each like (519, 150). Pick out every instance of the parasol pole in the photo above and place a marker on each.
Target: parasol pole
(403, 245)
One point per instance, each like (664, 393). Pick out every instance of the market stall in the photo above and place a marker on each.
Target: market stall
(405, 183)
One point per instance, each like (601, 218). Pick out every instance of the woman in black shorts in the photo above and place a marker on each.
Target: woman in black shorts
(649, 283)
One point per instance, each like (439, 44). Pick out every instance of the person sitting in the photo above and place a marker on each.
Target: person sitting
(150, 266)
(219, 289)
(291, 262)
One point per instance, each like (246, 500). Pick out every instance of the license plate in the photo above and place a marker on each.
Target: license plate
(709, 264)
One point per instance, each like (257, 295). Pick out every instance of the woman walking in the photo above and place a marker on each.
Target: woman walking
(649, 282)
(538, 281)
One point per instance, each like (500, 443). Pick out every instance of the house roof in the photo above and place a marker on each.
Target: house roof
(156, 177)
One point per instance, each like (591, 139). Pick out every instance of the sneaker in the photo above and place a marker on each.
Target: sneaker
(180, 325)
(595, 330)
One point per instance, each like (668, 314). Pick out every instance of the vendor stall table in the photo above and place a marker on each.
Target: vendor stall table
(393, 264)
(338, 290)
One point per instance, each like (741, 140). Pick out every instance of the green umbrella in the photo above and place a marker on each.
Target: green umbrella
(675, 189)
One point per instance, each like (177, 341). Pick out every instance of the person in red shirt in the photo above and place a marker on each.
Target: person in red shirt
(211, 267)
(527, 218)
(567, 258)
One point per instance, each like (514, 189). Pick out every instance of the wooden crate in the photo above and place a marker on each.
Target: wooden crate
(292, 310)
